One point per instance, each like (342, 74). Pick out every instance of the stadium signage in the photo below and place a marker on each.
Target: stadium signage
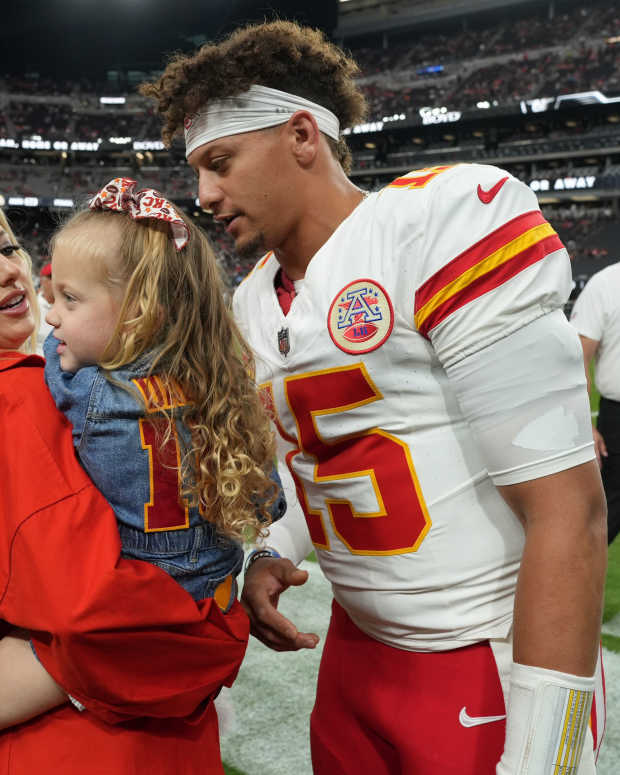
(543, 104)
(373, 126)
(563, 184)
(36, 145)
(539, 105)
(439, 115)
(148, 145)
(24, 201)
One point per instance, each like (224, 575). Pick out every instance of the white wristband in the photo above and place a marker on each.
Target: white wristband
(547, 719)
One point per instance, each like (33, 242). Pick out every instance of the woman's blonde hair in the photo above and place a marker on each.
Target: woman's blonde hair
(174, 309)
(30, 345)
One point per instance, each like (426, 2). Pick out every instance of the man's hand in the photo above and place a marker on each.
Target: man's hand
(265, 580)
(599, 447)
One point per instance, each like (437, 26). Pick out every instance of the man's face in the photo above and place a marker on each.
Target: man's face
(248, 182)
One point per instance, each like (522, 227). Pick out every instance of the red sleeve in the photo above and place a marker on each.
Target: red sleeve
(121, 636)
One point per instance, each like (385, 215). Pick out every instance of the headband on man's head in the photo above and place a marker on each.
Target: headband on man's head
(257, 108)
(119, 195)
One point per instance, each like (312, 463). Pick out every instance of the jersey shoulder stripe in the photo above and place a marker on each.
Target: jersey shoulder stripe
(257, 266)
(419, 178)
(489, 263)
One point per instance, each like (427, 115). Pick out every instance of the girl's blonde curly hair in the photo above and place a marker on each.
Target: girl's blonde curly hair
(174, 309)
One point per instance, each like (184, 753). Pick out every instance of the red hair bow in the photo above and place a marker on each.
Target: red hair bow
(120, 195)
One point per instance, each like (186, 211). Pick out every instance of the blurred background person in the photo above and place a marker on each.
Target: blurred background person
(45, 299)
(596, 316)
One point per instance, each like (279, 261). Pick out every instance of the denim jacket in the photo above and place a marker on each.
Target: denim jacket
(118, 448)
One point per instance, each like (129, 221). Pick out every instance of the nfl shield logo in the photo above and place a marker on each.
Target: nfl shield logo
(284, 344)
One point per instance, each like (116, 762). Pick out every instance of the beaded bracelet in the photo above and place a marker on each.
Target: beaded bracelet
(258, 554)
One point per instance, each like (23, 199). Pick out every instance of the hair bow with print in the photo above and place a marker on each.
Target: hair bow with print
(120, 195)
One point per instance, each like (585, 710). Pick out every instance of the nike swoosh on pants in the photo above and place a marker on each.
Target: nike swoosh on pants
(474, 721)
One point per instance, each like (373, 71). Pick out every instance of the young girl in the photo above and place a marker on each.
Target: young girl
(147, 364)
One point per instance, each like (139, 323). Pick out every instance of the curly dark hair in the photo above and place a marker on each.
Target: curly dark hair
(280, 55)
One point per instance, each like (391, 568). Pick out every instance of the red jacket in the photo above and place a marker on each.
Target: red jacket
(120, 636)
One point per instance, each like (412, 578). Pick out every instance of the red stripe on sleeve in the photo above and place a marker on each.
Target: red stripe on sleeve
(491, 280)
(476, 253)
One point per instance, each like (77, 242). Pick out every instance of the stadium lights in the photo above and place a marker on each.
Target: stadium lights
(395, 117)
(112, 100)
(63, 203)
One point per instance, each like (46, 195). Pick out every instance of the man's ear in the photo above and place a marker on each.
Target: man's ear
(304, 136)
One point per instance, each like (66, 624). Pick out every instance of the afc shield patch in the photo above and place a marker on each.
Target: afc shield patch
(361, 317)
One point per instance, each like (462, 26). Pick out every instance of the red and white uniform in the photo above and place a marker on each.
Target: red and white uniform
(420, 548)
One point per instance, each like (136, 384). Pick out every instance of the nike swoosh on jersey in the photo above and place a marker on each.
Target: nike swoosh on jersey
(486, 197)
(475, 721)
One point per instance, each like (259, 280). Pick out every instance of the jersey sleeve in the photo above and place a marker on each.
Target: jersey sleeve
(489, 262)
(492, 279)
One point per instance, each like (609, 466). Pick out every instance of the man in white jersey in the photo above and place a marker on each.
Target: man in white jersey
(596, 316)
(431, 403)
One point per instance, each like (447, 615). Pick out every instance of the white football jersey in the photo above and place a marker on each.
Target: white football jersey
(419, 546)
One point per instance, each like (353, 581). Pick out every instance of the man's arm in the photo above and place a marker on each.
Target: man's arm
(557, 615)
(266, 578)
(26, 688)
(264, 583)
(525, 399)
(558, 604)
(590, 346)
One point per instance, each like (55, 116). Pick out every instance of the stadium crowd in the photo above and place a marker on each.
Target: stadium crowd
(514, 60)
(493, 62)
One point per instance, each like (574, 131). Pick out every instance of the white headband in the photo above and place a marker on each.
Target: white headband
(257, 108)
